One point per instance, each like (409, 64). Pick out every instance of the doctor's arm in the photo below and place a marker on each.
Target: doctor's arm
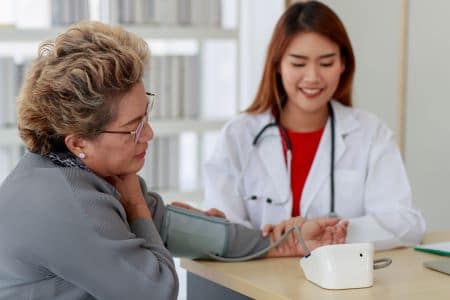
(390, 218)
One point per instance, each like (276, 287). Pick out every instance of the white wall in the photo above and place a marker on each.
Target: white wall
(258, 19)
(428, 107)
(374, 29)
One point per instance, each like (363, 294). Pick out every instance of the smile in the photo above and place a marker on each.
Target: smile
(311, 92)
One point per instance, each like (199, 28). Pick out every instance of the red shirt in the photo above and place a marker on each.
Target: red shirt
(304, 148)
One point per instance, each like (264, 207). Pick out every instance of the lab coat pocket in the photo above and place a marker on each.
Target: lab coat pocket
(264, 208)
(349, 191)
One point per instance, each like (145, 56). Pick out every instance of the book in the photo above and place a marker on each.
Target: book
(435, 248)
(173, 162)
(175, 95)
(8, 90)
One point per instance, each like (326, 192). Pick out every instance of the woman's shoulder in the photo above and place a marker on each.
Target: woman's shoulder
(350, 118)
(246, 122)
(37, 177)
(32, 170)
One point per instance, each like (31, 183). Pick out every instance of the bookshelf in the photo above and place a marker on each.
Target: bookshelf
(10, 136)
(179, 33)
(12, 34)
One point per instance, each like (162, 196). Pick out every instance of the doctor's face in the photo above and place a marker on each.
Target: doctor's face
(310, 69)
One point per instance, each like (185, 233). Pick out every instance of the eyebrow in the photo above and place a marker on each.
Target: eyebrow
(328, 55)
(138, 118)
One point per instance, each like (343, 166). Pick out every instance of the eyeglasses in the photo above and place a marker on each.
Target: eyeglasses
(136, 134)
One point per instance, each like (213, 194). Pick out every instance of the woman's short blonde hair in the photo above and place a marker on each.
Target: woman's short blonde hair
(75, 83)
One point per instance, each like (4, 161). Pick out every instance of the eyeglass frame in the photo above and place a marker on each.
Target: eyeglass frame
(138, 131)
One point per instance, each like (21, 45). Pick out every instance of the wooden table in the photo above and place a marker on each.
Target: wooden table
(283, 278)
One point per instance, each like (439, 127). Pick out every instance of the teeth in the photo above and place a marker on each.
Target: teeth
(310, 91)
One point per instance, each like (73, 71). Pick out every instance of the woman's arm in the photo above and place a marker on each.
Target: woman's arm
(82, 237)
(390, 219)
(243, 241)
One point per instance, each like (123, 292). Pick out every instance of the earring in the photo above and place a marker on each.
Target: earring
(82, 155)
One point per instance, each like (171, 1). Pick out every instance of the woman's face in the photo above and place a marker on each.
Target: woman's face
(118, 154)
(310, 69)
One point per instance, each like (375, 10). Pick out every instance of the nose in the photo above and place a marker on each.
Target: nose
(147, 133)
(312, 73)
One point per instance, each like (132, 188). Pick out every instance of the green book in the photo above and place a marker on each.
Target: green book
(436, 248)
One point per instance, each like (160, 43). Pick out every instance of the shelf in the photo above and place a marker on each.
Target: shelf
(10, 136)
(167, 127)
(13, 34)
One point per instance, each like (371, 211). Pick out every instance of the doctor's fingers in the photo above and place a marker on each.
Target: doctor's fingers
(341, 233)
(276, 234)
(214, 212)
(325, 222)
(183, 205)
(267, 229)
(292, 240)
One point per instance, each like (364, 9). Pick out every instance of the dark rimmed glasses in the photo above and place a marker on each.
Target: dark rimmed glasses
(136, 134)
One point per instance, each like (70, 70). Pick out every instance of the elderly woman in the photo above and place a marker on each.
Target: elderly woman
(76, 222)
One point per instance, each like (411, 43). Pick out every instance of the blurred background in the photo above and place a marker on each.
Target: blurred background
(207, 58)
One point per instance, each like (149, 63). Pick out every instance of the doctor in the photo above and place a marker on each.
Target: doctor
(300, 151)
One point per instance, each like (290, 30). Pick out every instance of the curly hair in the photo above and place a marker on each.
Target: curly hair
(76, 82)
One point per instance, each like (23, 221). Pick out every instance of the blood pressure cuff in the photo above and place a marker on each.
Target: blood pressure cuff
(191, 234)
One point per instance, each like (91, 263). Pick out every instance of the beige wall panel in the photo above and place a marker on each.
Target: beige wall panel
(428, 107)
(374, 29)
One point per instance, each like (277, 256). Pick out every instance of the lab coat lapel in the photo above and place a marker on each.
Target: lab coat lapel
(320, 169)
(271, 154)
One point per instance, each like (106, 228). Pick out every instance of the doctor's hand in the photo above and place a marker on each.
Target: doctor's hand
(315, 232)
(276, 231)
(213, 212)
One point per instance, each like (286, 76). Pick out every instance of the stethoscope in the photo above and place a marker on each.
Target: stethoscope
(288, 145)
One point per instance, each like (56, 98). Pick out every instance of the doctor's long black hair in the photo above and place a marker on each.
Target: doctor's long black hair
(311, 16)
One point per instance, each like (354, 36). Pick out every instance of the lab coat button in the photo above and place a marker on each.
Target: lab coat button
(269, 200)
(253, 197)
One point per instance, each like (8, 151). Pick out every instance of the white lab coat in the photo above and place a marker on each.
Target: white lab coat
(251, 183)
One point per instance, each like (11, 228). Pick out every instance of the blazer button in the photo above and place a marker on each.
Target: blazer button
(269, 200)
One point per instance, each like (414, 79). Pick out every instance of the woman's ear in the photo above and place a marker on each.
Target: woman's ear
(77, 145)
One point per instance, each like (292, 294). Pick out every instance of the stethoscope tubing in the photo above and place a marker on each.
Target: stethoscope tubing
(287, 141)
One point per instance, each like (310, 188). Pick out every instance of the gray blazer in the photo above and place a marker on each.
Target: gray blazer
(64, 235)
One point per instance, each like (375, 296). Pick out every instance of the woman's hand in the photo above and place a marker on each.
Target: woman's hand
(131, 196)
(276, 231)
(324, 231)
(315, 233)
(213, 212)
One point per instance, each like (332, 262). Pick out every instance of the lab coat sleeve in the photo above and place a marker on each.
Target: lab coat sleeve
(390, 220)
(221, 178)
